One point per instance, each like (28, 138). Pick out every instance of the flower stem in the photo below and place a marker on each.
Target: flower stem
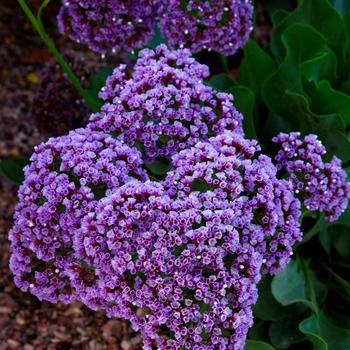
(37, 24)
(224, 64)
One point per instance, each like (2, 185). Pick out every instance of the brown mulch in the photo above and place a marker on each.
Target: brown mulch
(25, 322)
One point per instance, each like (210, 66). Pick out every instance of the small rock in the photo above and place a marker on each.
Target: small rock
(28, 347)
(126, 345)
(13, 344)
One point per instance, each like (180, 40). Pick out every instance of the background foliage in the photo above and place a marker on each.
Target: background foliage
(300, 82)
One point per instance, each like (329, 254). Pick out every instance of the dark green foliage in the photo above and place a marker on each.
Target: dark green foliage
(12, 168)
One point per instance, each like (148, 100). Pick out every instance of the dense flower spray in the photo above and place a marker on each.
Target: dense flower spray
(222, 25)
(164, 106)
(179, 258)
(232, 168)
(66, 175)
(320, 185)
(107, 25)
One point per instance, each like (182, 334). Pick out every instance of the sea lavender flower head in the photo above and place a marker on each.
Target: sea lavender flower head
(320, 185)
(57, 107)
(177, 269)
(267, 213)
(222, 25)
(64, 179)
(107, 25)
(164, 106)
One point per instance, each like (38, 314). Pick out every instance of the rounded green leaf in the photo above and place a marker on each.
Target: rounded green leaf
(220, 82)
(12, 168)
(257, 345)
(267, 307)
(244, 101)
(289, 286)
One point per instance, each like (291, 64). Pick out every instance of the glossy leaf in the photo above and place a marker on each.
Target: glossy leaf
(97, 81)
(340, 236)
(158, 166)
(12, 168)
(324, 334)
(310, 329)
(255, 68)
(284, 333)
(326, 100)
(324, 18)
(288, 77)
(244, 101)
(267, 307)
(221, 82)
(342, 6)
(257, 345)
(289, 286)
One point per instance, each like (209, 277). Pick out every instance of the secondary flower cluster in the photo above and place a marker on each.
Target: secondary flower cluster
(106, 25)
(223, 26)
(320, 185)
(179, 257)
(165, 105)
(57, 106)
(66, 176)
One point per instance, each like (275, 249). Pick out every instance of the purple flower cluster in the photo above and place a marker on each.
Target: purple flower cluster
(107, 24)
(179, 258)
(231, 169)
(177, 269)
(67, 175)
(164, 106)
(222, 25)
(320, 185)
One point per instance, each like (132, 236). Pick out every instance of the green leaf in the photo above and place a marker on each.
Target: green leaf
(244, 101)
(259, 331)
(310, 329)
(152, 44)
(267, 307)
(322, 66)
(324, 334)
(255, 68)
(330, 128)
(159, 166)
(289, 285)
(324, 18)
(341, 281)
(156, 40)
(12, 168)
(326, 100)
(288, 77)
(297, 283)
(199, 185)
(342, 6)
(278, 16)
(257, 345)
(221, 82)
(274, 6)
(284, 333)
(98, 81)
(340, 236)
